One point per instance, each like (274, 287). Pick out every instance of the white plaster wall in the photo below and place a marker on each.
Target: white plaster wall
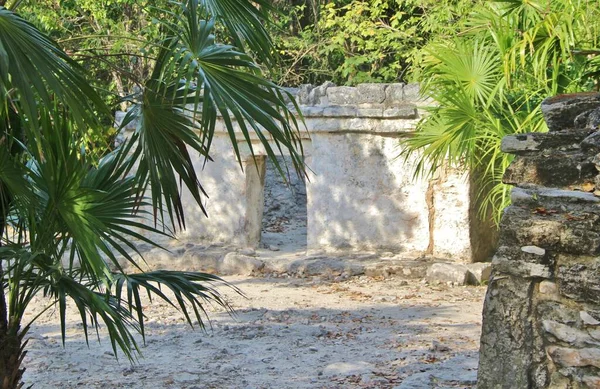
(361, 197)
(451, 231)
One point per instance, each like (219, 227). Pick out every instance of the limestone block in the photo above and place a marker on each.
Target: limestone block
(394, 94)
(303, 92)
(405, 111)
(561, 111)
(339, 111)
(506, 346)
(591, 381)
(570, 357)
(411, 92)
(234, 263)
(588, 319)
(548, 288)
(579, 281)
(448, 272)
(555, 170)
(561, 229)
(568, 334)
(521, 268)
(371, 93)
(479, 272)
(318, 95)
(342, 95)
(545, 141)
(550, 198)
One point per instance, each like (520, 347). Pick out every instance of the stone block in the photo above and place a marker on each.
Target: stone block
(479, 272)
(234, 263)
(506, 348)
(550, 198)
(371, 93)
(318, 95)
(411, 92)
(554, 170)
(588, 119)
(448, 272)
(561, 111)
(521, 268)
(568, 334)
(394, 93)
(342, 95)
(579, 281)
(339, 111)
(570, 357)
(545, 141)
(588, 319)
(406, 111)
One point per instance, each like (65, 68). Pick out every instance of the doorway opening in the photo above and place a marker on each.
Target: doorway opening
(285, 215)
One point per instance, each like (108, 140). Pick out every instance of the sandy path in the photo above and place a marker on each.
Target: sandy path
(289, 333)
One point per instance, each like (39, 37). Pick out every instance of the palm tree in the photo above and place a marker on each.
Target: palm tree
(490, 80)
(67, 212)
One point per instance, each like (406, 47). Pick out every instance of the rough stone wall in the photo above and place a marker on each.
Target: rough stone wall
(541, 319)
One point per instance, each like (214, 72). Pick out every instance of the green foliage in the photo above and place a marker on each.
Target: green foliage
(489, 81)
(67, 214)
(351, 42)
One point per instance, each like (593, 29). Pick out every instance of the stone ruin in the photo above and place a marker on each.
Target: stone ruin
(541, 319)
(359, 196)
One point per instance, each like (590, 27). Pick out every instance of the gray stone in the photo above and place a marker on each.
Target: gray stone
(521, 268)
(588, 319)
(342, 95)
(479, 272)
(318, 95)
(568, 334)
(561, 111)
(303, 93)
(371, 93)
(339, 111)
(570, 357)
(545, 142)
(518, 143)
(411, 92)
(406, 111)
(588, 119)
(448, 272)
(394, 93)
(533, 250)
(579, 281)
(506, 347)
(235, 263)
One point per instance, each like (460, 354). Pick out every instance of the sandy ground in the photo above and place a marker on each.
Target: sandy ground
(288, 333)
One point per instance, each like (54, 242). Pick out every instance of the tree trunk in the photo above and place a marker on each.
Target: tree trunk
(12, 348)
(12, 352)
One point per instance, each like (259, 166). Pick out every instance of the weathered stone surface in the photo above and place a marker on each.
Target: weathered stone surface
(571, 357)
(591, 381)
(448, 272)
(591, 143)
(579, 280)
(561, 111)
(506, 339)
(557, 311)
(407, 111)
(549, 289)
(550, 198)
(348, 368)
(555, 170)
(588, 119)
(339, 111)
(545, 141)
(234, 263)
(479, 272)
(521, 268)
(342, 95)
(569, 334)
(371, 93)
(588, 319)
(411, 92)
(558, 229)
(394, 93)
